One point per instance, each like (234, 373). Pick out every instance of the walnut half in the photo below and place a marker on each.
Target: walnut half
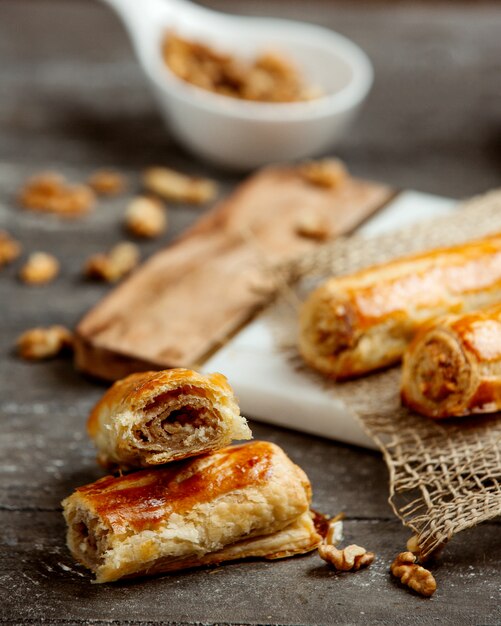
(39, 269)
(49, 192)
(313, 226)
(107, 182)
(115, 264)
(10, 249)
(178, 187)
(146, 217)
(413, 575)
(349, 559)
(44, 343)
(327, 173)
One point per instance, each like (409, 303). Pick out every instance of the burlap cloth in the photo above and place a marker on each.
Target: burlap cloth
(444, 476)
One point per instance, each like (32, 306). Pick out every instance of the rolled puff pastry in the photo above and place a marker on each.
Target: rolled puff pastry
(157, 417)
(453, 366)
(243, 501)
(361, 322)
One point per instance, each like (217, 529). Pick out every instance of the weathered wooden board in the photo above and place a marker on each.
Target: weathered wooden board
(190, 297)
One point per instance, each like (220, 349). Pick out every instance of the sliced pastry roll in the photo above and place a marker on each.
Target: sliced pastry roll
(354, 324)
(243, 501)
(453, 366)
(157, 417)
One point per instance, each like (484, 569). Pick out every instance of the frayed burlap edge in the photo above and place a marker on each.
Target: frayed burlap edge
(444, 476)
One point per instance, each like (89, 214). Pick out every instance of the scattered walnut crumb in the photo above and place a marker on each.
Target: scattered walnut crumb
(271, 77)
(44, 343)
(50, 193)
(114, 265)
(350, 559)
(334, 534)
(40, 268)
(414, 576)
(179, 187)
(10, 249)
(107, 182)
(146, 217)
(313, 226)
(328, 173)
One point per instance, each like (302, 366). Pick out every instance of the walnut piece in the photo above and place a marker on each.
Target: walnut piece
(349, 559)
(44, 343)
(313, 226)
(39, 269)
(172, 185)
(413, 545)
(114, 265)
(413, 575)
(49, 192)
(271, 77)
(10, 249)
(107, 182)
(328, 173)
(146, 217)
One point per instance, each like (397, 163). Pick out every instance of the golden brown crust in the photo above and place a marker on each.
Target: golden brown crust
(151, 418)
(453, 366)
(191, 513)
(358, 323)
(143, 499)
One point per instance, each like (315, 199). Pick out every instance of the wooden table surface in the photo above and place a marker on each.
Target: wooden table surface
(73, 98)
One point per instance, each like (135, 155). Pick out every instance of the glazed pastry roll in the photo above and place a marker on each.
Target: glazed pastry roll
(453, 366)
(243, 501)
(358, 323)
(156, 417)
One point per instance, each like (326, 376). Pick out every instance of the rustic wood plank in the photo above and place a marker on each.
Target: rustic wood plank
(189, 298)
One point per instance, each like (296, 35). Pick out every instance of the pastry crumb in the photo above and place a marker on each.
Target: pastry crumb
(44, 343)
(146, 217)
(10, 248)
(114, 265)
(327, 173)
(172, 185)
(40, 268)
(107, 182)
(50, 193)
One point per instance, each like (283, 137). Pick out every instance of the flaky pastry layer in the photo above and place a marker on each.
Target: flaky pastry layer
(242, 501)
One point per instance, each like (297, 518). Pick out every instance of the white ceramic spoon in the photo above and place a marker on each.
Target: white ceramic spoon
(242, 134)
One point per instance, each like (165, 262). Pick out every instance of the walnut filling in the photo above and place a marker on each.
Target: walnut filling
(88, 538)
(441, 371)
(187, 419)
(333, 328)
